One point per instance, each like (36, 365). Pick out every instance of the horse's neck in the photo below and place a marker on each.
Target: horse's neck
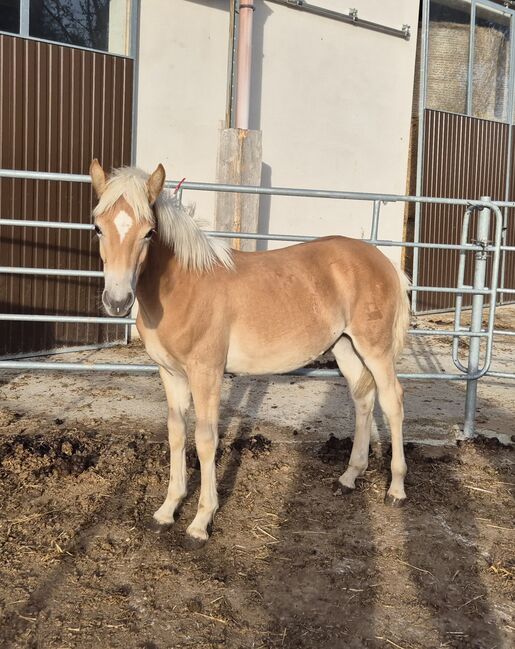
(161, 273)
(158, 268)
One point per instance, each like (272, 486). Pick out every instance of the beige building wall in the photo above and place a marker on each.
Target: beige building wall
(333, 102)
(182, 87)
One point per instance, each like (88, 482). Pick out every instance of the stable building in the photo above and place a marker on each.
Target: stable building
(394, 98)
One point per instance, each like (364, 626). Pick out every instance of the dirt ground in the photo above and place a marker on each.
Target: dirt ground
(84, 463)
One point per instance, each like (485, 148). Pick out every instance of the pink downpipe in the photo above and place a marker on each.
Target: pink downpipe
(244, 64)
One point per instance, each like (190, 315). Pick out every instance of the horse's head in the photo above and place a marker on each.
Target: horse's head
(125, 224)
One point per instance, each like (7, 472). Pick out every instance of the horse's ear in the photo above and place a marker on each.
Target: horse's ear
(98, 177)
(156, 183)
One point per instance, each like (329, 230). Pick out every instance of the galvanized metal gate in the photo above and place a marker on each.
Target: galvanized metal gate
(486, 248)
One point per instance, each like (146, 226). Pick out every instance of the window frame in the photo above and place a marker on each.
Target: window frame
(24, 28)
(469, 107)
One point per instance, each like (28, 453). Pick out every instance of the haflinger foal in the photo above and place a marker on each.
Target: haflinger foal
(205, 309)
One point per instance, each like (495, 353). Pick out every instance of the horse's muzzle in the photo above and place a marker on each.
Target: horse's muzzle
(118, 307)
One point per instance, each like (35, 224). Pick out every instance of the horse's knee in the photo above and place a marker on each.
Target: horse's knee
(206, 440)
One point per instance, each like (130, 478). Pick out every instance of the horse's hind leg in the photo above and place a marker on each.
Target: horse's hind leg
(178, 397)
(363, 395)
(390, 393)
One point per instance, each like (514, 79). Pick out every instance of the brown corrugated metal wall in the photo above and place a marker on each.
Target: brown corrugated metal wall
(59, 108)
(509, 270)
(464, 157)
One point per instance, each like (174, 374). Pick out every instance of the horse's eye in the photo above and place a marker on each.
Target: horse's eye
(98, 231)
(149, 234)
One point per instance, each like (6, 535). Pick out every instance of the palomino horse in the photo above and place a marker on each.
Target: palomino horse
(205, 309)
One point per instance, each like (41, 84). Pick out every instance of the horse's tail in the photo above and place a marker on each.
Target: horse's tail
(400, 327)
(402, 315)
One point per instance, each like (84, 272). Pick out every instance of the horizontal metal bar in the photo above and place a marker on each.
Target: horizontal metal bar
(254, 235)
(19, 270)
(377, 242)
(447, 332)
(337, 194)
(44, 175)
(500, 375)
(433, 246)
(510, 291)
(60, 350)
(329, 373)
(126, 367)
(29, 317)
(73, 367)
(57, 225)
(269, 191)
(502, 332)
(351, 19)
(463, 333)
(447, 289)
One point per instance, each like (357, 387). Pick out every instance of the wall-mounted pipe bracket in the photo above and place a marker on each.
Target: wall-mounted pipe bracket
(351, 18)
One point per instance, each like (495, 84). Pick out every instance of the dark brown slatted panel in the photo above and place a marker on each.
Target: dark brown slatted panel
(59, 108)
(509, 259)
(464, 157)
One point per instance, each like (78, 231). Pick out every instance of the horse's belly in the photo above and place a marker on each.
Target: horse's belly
(257, 357)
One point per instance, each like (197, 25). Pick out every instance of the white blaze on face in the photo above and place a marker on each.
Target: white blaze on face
(123, 224)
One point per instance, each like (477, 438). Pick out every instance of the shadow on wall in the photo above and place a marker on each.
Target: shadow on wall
(222, 5)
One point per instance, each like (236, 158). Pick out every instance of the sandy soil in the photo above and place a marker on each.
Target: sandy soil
(84, 463)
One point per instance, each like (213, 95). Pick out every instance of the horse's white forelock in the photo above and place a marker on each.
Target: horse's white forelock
(176, 226)
(131, 184)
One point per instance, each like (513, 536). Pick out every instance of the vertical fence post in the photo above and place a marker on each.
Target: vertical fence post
(476, 320)
(375, 222)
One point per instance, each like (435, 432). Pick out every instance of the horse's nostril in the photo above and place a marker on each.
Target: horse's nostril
(105, 299)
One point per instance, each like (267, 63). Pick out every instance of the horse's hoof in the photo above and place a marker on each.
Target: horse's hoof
(338, 487)
(156, 527)
(193, 543)
(393, 501)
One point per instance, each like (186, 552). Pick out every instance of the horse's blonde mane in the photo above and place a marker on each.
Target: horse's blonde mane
(176, 226)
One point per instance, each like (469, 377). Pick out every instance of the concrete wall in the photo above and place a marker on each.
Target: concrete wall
(333, 102)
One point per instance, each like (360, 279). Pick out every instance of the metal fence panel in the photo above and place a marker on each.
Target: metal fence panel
(486, 250)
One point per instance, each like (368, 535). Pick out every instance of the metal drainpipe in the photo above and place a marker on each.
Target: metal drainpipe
(244, 64)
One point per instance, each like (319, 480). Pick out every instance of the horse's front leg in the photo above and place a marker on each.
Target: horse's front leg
(206, 385)
(178, 396)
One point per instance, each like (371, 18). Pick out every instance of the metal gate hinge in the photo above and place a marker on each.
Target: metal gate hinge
(484, 243)
(353, 13)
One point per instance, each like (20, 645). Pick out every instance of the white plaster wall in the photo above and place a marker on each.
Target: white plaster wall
(182, 77)
(333, 102)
